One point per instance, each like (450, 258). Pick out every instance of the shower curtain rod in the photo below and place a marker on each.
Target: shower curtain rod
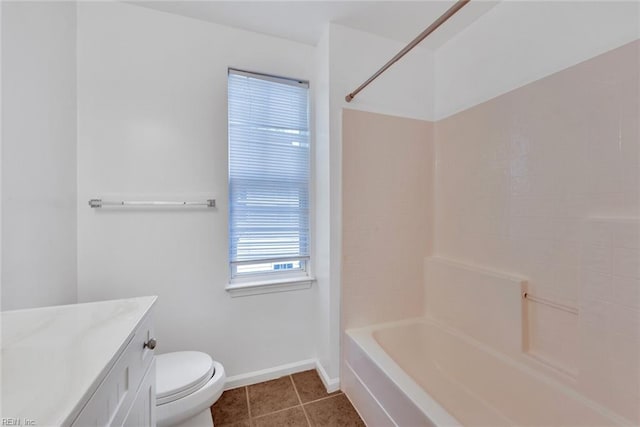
(423, 35)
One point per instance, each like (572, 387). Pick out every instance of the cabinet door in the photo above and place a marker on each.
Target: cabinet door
(112, 401)
(143, 409)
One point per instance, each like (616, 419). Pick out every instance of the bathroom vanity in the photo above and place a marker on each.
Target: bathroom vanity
(79, 365)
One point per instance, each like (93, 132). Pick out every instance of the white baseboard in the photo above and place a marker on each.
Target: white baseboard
(235, 381)
(331, 384)
(255, 377)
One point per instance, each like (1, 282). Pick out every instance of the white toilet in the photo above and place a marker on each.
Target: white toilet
(187, 384)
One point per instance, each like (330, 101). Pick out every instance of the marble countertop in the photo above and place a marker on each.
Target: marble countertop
(54, 358)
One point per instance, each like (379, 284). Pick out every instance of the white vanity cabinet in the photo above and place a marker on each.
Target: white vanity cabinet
(126, 395)
(80, 365)
(143, 409)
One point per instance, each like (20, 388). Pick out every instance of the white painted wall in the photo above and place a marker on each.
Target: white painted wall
(152, 100)
(321, 236)
(406, 89)
(38, 154)
(1, 132)
(518, 42)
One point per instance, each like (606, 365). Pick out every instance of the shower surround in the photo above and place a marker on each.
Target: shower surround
(541, 183)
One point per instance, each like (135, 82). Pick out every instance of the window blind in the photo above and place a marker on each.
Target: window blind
(268, 171)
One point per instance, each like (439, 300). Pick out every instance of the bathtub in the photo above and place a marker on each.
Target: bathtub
(420, 373)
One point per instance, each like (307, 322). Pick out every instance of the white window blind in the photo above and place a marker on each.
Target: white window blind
(268, 174)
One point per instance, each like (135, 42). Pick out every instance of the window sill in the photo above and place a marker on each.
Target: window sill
(269, 286)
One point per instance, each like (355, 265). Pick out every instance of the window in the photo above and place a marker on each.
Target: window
(268, 177)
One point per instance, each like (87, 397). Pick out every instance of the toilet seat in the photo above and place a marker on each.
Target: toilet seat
(189, 384)
(180, 374)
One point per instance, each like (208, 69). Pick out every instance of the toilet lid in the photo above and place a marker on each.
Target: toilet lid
(181, 373)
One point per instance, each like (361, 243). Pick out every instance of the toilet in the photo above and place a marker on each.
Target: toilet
(187, 384)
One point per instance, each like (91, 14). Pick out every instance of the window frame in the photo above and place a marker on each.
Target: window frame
(250, 283)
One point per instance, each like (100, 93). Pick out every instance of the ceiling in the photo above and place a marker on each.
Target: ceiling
(304, 21)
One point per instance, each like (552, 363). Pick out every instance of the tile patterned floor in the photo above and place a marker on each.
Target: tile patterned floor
(298, 400)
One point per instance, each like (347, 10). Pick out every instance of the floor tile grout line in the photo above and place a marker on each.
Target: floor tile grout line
(304, 411)
(323, 398)
(332, 394)
(301, 404)
(295, 389)
(253, 417)
(246, 389)
(275, 412)
(300, 400)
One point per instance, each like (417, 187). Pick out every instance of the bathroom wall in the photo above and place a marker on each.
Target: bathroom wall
(152, 99)
(544, 182)
(388, 167)
(38, 154)
(508, 47)
(537, 176)
(1, 127)
(405, 90)
(327, 312)
(350, 56)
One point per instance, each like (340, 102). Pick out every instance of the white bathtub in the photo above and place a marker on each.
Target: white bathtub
(419, 373)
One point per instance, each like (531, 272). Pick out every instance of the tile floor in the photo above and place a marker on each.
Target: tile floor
(298, 400)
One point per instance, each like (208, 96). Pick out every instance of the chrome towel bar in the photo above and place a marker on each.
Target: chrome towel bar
(99, 203)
